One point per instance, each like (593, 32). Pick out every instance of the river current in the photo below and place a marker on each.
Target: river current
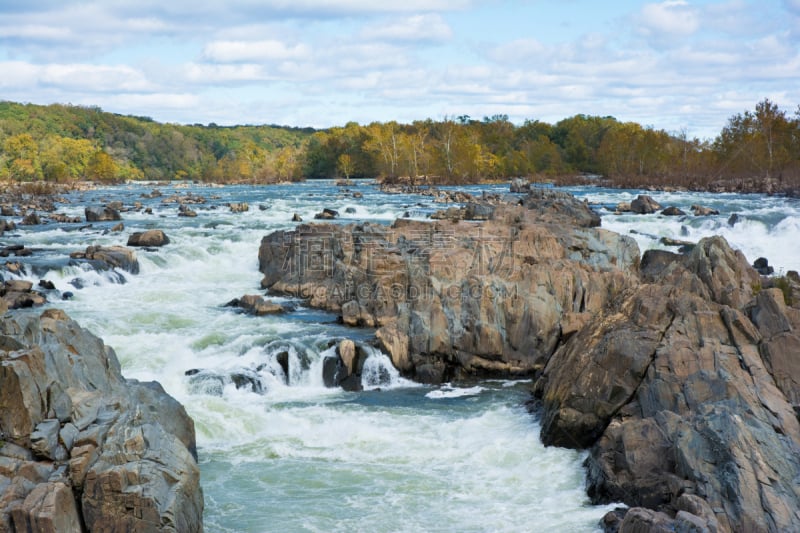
(284, 453)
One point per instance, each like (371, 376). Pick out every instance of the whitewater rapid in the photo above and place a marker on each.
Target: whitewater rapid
(294, 455)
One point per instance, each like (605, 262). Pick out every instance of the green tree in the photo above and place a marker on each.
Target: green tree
(22, 157)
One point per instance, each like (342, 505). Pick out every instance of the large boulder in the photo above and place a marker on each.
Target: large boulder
(82, 446)
(644, 205)
(101, 214)
(108, 257)
(150, 238)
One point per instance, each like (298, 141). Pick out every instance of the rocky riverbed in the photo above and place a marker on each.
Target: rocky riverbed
(680, 374)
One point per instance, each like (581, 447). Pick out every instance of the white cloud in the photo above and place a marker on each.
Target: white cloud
(41, 32)
(74, 77)
(419, 28)
(265, 50)
(198, 73)
(94, 78)
(672, 17)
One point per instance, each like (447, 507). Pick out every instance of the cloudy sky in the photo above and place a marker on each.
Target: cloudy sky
(677, 64)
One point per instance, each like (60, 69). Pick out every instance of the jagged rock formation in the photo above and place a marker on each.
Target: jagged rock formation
(81, 447)
(684, 390)
(681, 374)
(456, 299)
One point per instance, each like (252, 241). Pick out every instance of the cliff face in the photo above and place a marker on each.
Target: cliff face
(680, 375)
(81, 447)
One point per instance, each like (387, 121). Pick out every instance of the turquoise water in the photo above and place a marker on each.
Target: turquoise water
(297, 456)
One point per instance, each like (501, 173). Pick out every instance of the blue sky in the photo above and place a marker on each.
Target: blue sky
(680, 65)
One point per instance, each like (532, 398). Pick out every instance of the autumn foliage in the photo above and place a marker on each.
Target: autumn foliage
(756, 150)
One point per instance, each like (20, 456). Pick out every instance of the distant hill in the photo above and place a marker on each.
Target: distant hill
(61, 142)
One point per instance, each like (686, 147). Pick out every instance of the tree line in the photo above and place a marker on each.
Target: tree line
(756, 150)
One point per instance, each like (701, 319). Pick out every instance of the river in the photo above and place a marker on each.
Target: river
(294, 455)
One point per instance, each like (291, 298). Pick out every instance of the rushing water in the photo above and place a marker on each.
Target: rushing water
(284, 453)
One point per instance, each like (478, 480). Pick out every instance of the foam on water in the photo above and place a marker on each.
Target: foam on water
(448, 391)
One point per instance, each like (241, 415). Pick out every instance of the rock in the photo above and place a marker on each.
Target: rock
(101, 214)
(671, 367)
(126, 447)
(44, 439)
(350, 210)
(520, 185)
(108, 257)
(48, 508)
(256, 305)
(762, 266)
(684, 246)
(457, 294)
(327, 214)
(117, 228)
(644, 205)
(700, 211)
(150, 238)
(623, 207)
(347, 353)
(673, 211)
(451, 213)
(239, 207)
(733, 219)
(476, 211)
(297, 218)
(185, 211)
(64, 219)
(31, 219)
(19, 294)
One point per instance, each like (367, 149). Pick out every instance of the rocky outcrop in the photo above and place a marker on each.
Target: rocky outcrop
(674, 390)
(81, 447)
(459, 299)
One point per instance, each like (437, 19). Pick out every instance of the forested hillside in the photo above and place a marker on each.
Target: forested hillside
(756, 150)
(60, 142)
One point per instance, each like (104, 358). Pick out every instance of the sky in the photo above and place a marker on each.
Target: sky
(685, 66)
